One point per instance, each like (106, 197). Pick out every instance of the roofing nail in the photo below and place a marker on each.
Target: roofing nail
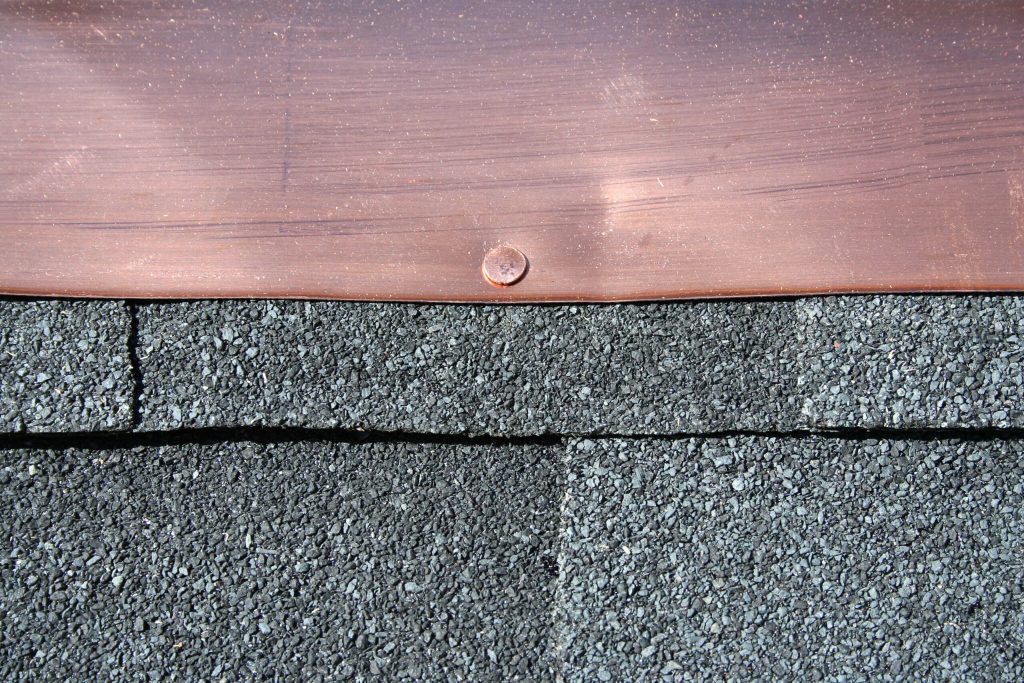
(504, 266)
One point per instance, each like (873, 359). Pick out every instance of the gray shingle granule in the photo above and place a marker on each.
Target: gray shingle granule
(888, 361)
(244, 561)
(64, 366)
(792, 559)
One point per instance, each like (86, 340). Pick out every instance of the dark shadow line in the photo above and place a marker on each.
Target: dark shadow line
(136, 365)
(285, 435)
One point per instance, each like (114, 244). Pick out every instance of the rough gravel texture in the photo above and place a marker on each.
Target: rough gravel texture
(256, 562)
(625, 560)
(553, 559)
(627, 369)
(64, 366)
(921, 362)
(792, 559)
(462, 369)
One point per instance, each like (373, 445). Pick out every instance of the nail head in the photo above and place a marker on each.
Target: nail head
(504, 266)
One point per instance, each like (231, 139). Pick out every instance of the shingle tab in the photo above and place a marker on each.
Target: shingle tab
(626, 369)
(635, 559)
(925, 361)
(65, 366)
(240, 561)
(499, 370)
(792, 559)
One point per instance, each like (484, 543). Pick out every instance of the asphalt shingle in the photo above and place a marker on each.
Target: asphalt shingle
(248, 561)
(65, 366)
(924, 361)
(792, 559)
(639, 559)
(832, 362)
(462, 369)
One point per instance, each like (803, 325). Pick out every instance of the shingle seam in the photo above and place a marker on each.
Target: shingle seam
(267, 435)
(136, 365)
(560, 631)
(275, 435)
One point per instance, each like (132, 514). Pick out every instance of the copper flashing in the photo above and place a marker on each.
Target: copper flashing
(631, 150)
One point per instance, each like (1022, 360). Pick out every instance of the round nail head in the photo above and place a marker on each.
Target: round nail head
(504, 266)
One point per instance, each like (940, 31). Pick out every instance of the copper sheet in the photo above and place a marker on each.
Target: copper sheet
(629, 150)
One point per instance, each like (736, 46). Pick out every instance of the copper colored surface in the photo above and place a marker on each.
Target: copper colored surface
(631, 150)
(504, 266)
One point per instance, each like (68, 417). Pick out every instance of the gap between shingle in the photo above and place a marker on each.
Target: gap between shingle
(136, 366)
(225, 435)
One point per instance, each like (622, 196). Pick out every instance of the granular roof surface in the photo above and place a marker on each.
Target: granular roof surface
(803, 489)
